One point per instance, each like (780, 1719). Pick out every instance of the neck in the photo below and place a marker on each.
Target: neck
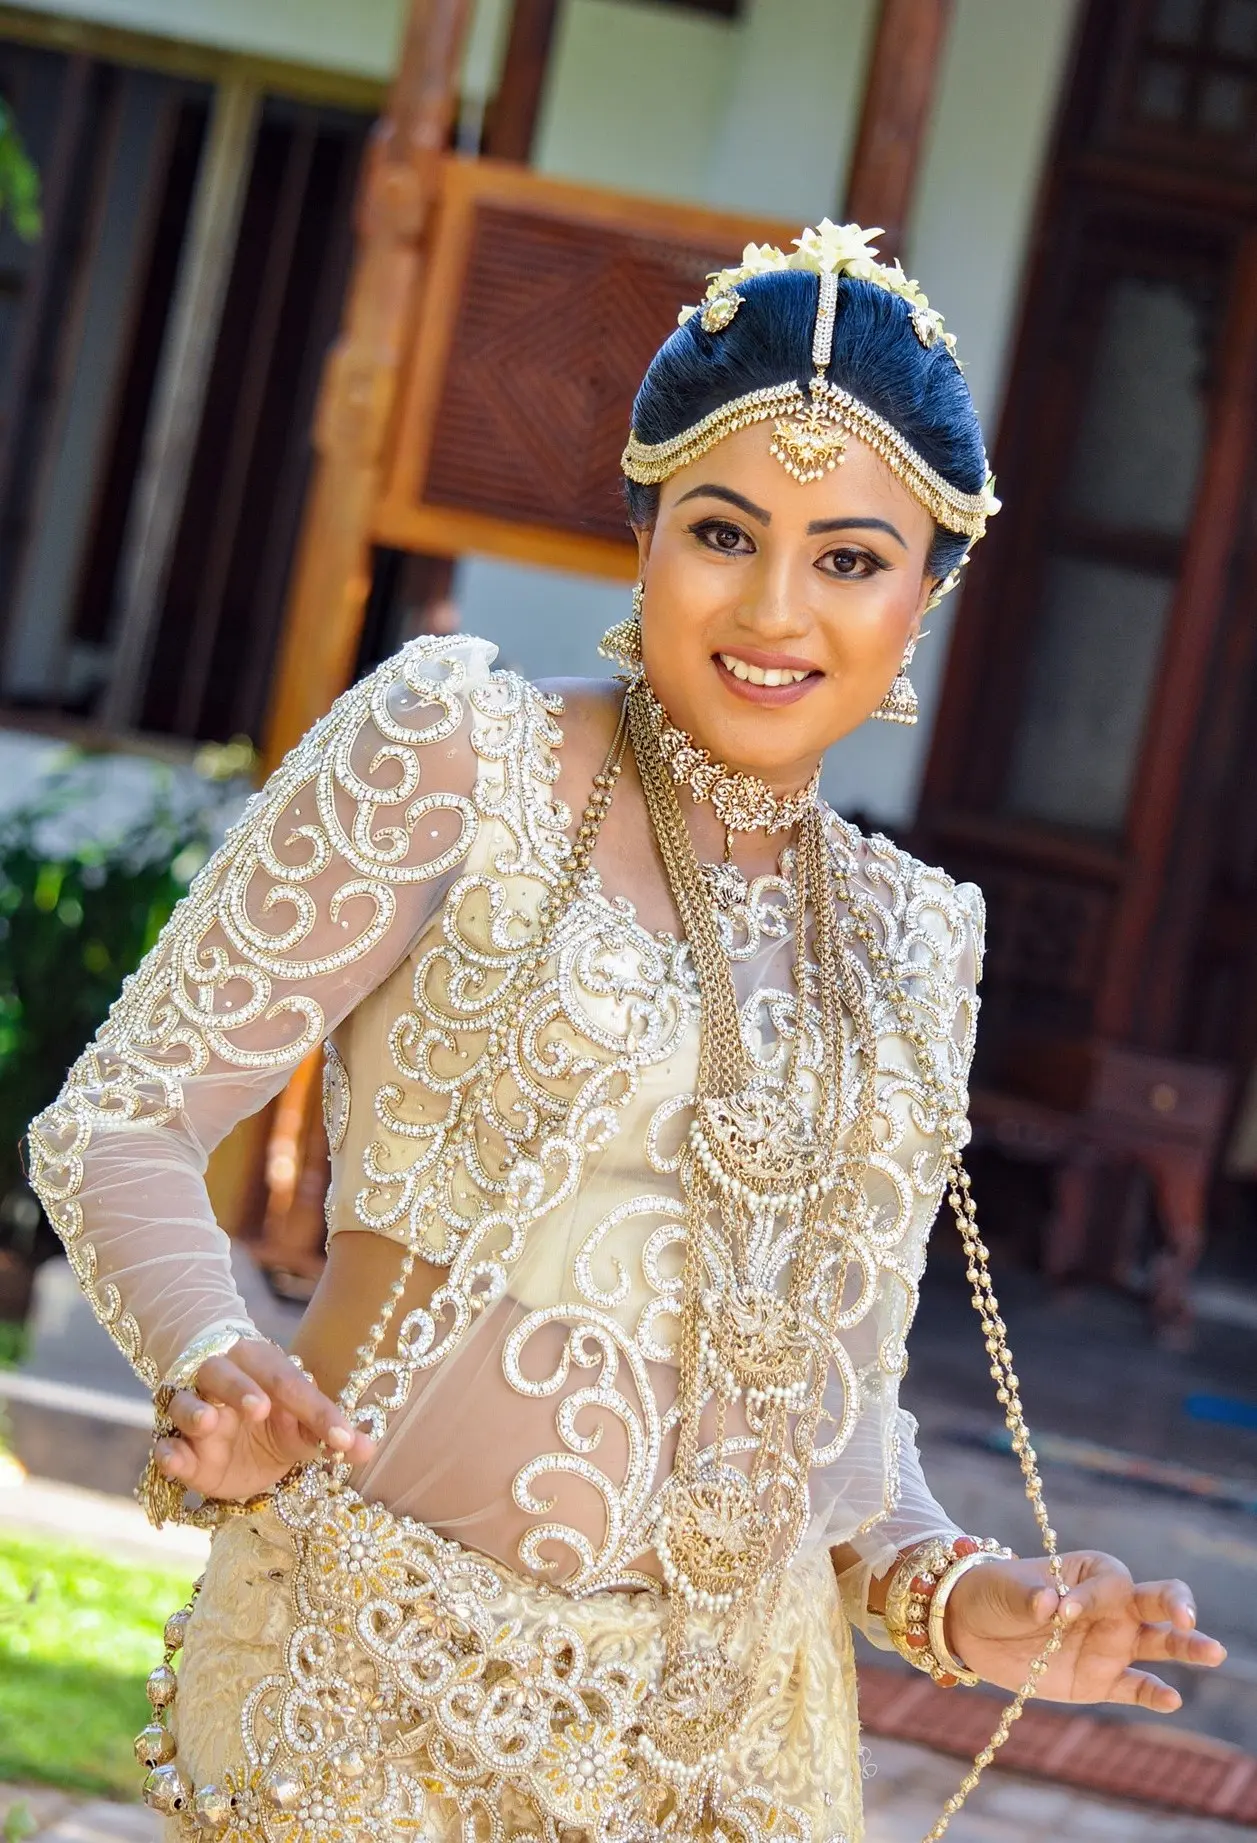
(741, 799)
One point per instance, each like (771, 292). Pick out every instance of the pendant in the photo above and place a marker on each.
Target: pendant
(713, 1539)
(753, 1343)
(760, 1146)
(809, 445)
(686, 1723)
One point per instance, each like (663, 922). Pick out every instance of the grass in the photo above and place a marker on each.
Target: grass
(78, 1636)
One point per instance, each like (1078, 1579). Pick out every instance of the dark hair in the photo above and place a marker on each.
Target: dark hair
(877, 357)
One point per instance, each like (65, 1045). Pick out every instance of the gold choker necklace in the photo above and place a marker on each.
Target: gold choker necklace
(741, 802)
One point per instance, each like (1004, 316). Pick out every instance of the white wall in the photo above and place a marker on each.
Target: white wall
(635, 97)
(360, 36)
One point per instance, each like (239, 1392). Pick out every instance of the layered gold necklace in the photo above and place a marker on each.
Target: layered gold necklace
(766, 1169)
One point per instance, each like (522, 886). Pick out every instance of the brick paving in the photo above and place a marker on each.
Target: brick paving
(909, 1786)
(1156, 1764)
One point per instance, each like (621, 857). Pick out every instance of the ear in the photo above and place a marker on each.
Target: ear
(928, 585)
(645, 536)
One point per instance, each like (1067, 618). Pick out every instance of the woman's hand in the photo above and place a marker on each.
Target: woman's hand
(254, 1416)
(999, 1619)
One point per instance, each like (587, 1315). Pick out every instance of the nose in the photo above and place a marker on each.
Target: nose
(776, 608)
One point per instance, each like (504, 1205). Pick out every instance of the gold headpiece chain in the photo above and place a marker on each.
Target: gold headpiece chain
(812, 430)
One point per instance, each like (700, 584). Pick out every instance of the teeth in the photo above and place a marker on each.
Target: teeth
(756, 675)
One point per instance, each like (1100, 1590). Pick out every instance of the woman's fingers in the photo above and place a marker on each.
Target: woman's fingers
(1160, 1644)
(176, 1459)
(192, 1416)
(311, 1407)
(256, 1377)
(1158, 1602)
(224, 1380)
(1140, 1688)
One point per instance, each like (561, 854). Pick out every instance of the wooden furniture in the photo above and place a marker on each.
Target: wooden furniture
(1087, 1107)
(1093, 759)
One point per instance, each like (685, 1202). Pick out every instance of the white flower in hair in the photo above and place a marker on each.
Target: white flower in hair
(829, 249)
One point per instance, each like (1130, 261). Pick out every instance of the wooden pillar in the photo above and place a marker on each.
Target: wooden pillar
(186, 363)
(332, 579)
(399, 189)
(514, 112)
(899, 91)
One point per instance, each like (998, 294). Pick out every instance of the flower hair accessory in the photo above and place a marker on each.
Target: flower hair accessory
(830, 249)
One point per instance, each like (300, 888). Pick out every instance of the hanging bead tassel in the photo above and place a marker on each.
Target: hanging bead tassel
(901, 703)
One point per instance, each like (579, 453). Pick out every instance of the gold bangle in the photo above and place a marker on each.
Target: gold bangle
(183, 1371)
(946, 1658)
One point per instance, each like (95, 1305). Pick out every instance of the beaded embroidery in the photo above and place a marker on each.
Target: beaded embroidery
(409, 1620)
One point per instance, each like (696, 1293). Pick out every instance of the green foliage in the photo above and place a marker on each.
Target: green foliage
(73, 923)
(19, 181)
(78, 1636)
(13, 1342)
(18, 1824)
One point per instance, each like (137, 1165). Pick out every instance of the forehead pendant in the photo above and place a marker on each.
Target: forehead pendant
(811, 444)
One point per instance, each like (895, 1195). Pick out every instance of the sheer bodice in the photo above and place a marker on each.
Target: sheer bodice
(381, 894)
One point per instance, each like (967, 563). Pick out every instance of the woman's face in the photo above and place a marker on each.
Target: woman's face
(746, 569)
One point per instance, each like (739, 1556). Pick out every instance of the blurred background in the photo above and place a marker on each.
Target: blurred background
(319, 327)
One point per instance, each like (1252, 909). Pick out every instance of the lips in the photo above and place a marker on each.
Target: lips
(765, 678)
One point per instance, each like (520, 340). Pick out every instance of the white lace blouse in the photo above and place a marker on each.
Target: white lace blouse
(378, 896)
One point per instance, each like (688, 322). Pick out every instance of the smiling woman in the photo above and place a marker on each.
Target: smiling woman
(639, 1123)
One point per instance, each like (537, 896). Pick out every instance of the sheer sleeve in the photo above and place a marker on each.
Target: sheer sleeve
(914, 1514)
(315, 896)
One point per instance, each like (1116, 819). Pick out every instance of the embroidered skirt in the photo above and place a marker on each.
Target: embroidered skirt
(793, 1769)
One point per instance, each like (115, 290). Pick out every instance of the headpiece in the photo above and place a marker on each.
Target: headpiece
(812, 430)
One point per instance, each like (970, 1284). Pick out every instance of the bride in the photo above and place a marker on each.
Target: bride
(645, 1078)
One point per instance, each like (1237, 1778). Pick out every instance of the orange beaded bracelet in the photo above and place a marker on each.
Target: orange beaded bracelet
(917, 1597)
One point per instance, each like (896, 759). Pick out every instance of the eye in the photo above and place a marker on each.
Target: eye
(850, 565)
(722, 535)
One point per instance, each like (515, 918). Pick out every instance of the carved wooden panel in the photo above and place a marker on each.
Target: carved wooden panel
(543, 306)
(1043, 930)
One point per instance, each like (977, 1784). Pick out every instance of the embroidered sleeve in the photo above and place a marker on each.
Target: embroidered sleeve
(917, 1516)
(933, 929)
(313, 899)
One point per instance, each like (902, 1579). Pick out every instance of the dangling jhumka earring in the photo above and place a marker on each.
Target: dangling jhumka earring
(623, 642)
(901, 703)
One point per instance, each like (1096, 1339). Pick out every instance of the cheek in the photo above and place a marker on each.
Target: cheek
(869, 626)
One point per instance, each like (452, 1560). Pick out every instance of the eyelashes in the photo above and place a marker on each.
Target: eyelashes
(707, 529)
(710, 531)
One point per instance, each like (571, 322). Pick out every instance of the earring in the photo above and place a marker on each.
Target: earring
(945, 587)
(623, 642)
(901, 703)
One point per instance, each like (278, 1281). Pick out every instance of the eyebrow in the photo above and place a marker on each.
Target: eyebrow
(820, 526)
(731, 498)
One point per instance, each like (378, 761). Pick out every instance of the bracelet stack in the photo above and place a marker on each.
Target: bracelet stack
(916, 1603)
(163, 1498)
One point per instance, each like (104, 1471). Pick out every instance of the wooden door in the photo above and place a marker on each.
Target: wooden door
(1091, 754)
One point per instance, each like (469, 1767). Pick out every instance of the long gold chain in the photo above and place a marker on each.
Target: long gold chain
(723, 1071)
(995, 1332)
